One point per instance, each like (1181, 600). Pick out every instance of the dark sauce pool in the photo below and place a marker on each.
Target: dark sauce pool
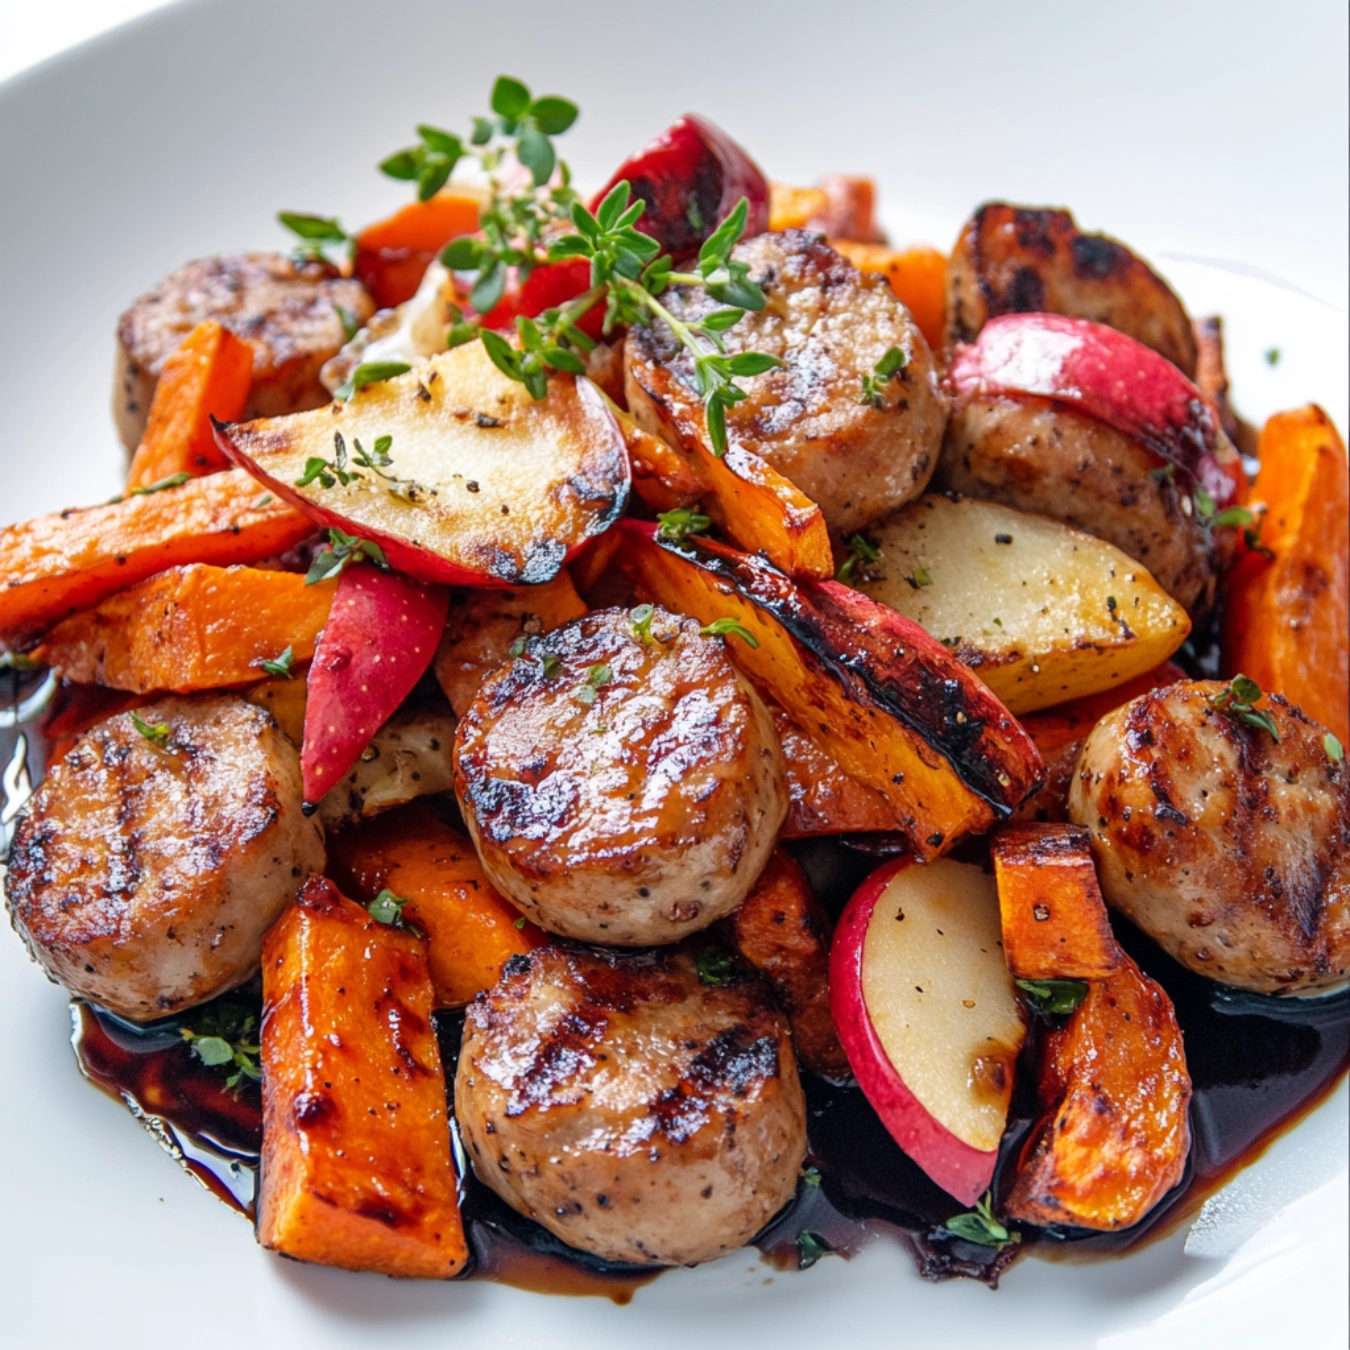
(1257, 1065)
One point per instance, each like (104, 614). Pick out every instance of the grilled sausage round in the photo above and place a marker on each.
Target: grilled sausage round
(632, 1109)
(145, 871)
(1036, 455)
(621, 785)
(829, 325)
(286, 310)
(1229, 848)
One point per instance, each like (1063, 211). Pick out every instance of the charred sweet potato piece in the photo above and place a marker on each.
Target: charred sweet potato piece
(873, 690)
(356, 1167)
(784, 932)
(482, 625)
(471, 931)
(1055, 925)
(1114, 1089)
(53, 565)
(1287, 623)
(393, 254)
(822, 798)
(191, 628)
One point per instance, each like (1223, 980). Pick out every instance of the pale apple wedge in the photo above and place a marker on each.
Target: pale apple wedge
(483, 486)
(1042, 612)
(928, 1015)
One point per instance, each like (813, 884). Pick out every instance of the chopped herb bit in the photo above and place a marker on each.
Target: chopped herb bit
(810, 1176)
(157, 733)
(351, 325)
(1252, 538)
(676, 526)
(1204, 503)
(343, 549)
(1165, 474)
(640, 622)
(1332, 746)
(1235, 515)
(1272, 355)
(716, 966)
(172, 481)
(860, 550)
(369, 372)
(264, 499)
(920, 578)
(1237, 700)
(810, 1248)
(998, 621)
(596, 678)
(1053, 996)
(873, 390)
(225, 1035)
(281, 667)
(387, 908)
(517, 648)
(981, 1226)
(729, 628)
(520, 922)
(315, 234)
(551, 664)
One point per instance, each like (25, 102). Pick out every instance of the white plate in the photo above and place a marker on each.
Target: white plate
(1193, 131)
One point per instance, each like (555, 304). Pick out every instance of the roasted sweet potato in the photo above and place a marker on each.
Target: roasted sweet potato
(1059, 734)
(392, 254)
(784, 932)
(1287, 624)
(483, 624)
(822, 798)
(918, 276)
(356, 1166)
(1114, 1091)
(285, 700)
(53, 565)
(1055, 925)
(209, 375)
(471, 931)
(191, 628)
(882, 698)
(794, 208)
(842, 206)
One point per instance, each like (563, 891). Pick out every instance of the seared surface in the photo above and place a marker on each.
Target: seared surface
(286, 310)
(634, 816)
(144, 878)
(829, 324)
(629, 1107)
(1039, 456)
(1230, 849)
(1018, 259)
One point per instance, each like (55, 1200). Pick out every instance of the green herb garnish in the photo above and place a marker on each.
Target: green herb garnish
(1272, 355)
(981, 1226)
(729, 628)
(676, 526)
(1054, 996)
(315, 234)
(551, 664)
(873, 391)
(1164, 474)
(597, 677)
(343, 549)
(716, 966)
(157, 733)
(640, 622)
(1237, 700)
(810, 1248)
(225, 1035)
(369, 372)
(919, 578)
(1332, 746)
(281, 666)
(860, 550)
(387, 908)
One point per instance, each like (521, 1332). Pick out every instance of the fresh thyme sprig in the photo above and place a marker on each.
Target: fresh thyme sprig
(725, 628)
(862, 552)
(677, 525)
(873, 391)
(1237, 700)
(316, 235)
(1053, 996)
(225, 1036)
(342, 549)
(982, 1226)
(387, 908)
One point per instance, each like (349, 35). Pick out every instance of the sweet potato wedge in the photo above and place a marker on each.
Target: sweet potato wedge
(1042, 612)
(918, 276)
(1055, 925)
(393, 254)
(191, 628)
(1287, 623)
(1114, 1089)
(53, 565)
(483, 624)
(784, 932)
(822, 798)
(881, 697)
(794, 208)
(284, 699)
(471, 931)
(1059, 734)
(208, 375)
(356, 1166)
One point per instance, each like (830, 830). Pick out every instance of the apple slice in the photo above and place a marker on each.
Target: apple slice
(487, 486)
(896, 710)
(380, 637)
(691, 176)
(1101, 372)
(928, 1016)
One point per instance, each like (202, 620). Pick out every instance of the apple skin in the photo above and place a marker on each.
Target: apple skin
(381, 635)
(1107, 375)
(693, 163)
(961, 1171)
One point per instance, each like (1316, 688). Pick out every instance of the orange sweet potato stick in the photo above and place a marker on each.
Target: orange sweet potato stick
(209, 375)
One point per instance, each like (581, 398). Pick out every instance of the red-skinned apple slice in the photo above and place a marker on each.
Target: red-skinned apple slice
(691, 177)
(487, 486)
(380, 637)
(927, 1014)
(1099, 371)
